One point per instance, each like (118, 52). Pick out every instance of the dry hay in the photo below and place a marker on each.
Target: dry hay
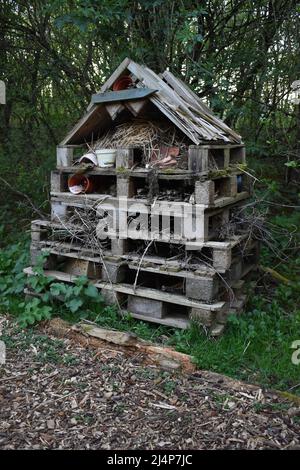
(145, 135)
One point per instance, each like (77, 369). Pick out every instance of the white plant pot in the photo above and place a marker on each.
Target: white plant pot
(106, 157)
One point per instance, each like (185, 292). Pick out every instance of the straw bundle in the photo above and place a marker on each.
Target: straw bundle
(146, 135)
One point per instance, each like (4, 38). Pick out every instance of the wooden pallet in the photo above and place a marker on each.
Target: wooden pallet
(133, 219)
(215, 256)
(200, 158)
(179, 186)
(155, 306)
(195, 281)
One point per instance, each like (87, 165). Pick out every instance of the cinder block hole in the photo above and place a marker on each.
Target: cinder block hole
(168, 309)
(222, 188)
(177, 310)
(172, 190)
(39, 232)
(246, 248)
(78, 152)
(161, 189)
(165, 283)
(215, 222)
(250, 258)
(140, 188)
(156, 249)
(216, 158)
(203, 256)
(236, 155)
(76, 239)
(105, 184)
(242, 183)
(73, 266)
(100, 184)
(138, 157)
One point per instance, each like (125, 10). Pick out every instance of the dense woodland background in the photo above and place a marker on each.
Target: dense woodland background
(241, 56)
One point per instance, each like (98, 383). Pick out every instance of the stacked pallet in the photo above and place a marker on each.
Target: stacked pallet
(153, 268)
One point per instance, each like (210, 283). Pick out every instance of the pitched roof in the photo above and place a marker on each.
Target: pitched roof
(175, 100)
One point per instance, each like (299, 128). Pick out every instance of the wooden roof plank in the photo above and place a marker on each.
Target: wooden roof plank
(173, 98)
(195, 102)
(80, 124)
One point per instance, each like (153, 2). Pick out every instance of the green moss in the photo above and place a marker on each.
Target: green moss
(218, 173)
(122, 170)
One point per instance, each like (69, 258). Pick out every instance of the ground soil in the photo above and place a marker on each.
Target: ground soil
(60, 394)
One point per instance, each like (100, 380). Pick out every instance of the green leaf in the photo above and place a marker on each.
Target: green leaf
(74, 305)
(292, 164)
(92, 291)
(57, 289)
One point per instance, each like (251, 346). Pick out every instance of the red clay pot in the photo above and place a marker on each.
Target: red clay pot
(123, 83)
(80, 180)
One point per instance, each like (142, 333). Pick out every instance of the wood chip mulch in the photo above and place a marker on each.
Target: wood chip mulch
(57, 394)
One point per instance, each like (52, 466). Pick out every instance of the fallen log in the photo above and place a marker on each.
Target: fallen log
(91, 335)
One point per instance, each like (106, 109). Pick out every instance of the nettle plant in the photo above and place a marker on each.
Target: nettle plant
(53, 297)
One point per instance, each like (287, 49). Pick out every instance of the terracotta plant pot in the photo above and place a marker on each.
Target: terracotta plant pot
(123, 83)
(78, 184)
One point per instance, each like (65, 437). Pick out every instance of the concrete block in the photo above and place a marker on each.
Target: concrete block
(34, 254)
(221, 259)
(80, 267)
(204, 288)
(36, 251)
(204, 192)
(226, 157)
(58, 211)
(114, 272)
(56, 182)
(119, 246)
(225, 217)
(144, 306)
(37, 232)
(125, 186)
(235, 271)
(222, 315)
(111, 297)
(233, 187)
(202, 316)
(125, 158)
(64, 156)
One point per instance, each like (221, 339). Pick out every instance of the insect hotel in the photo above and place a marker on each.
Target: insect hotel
(146, 201)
